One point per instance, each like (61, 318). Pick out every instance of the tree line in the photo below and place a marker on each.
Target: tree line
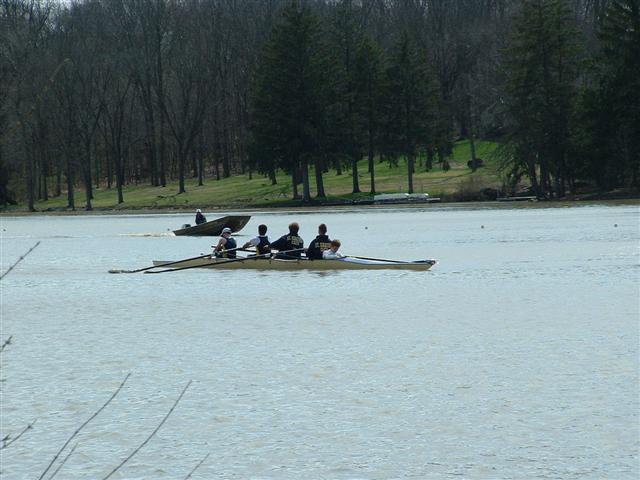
(104, 93)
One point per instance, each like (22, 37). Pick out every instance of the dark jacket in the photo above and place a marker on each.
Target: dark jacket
(317, 246)
(288, 242)
(200, 218)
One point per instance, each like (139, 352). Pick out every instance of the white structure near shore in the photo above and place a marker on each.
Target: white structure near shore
(404, 198)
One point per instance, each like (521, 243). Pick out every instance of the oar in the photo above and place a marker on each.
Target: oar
(156, 266)
(221, 263)
(384, 259)
(173, 263)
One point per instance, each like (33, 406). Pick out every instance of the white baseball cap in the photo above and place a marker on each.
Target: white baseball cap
(226, 230)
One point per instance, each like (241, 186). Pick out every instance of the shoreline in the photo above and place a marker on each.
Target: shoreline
(320, 206)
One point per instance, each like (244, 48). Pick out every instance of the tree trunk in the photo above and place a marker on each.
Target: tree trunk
(410, 164)
(45, 172)
(86, 170)
(58, 190)
(69, 174)
(226, 170)
(45, 190)
(30, 181)
(370, 157)
(272, 177)
(472, 144)
(306, 191)
(294, 182)
(119, 182)
(354, 172)
(163, 155)
(97, 166)
(181, 165)
(533, 178)
(319, 180)
(428, 165)
(119, 174)
(109, 172)
(194, 163)
(87, 187)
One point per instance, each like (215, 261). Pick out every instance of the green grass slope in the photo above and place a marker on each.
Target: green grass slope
(239, 191)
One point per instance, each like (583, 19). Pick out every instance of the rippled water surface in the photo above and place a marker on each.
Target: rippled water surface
(516, 356)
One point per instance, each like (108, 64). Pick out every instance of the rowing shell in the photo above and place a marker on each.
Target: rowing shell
(347, 263)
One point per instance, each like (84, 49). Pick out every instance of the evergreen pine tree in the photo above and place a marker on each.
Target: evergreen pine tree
(410, 117)
(369, 89)
(620, 87)
(541, 70)
(290, 105)
(346, 35)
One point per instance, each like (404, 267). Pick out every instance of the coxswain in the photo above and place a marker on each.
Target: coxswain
(319, 244)
(332, 253)
(261, 242)
(291, 241)
(226, 245)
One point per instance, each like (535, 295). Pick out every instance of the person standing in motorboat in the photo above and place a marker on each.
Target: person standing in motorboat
(200, 218)
(226, 245)
(291, 241)
(261, 242)
(332, 253)
(319, 244)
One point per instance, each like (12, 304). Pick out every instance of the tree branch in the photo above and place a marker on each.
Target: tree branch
(197, 466)
(84, 425)
(7, 440)
(63, 462)
(6, 342)
(19, 260)
(151, 435)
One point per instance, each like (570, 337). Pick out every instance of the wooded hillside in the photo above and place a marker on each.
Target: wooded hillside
(105, 93)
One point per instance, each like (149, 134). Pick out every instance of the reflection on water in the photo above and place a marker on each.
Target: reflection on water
(516, 356)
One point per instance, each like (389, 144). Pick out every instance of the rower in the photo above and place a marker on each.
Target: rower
(291, 241)
(225, 244)
(332, 253)
(319, 244)
(261, 242)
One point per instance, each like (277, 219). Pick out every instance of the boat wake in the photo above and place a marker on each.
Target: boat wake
(152, 234)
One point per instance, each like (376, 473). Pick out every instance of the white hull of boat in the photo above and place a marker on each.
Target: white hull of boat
(347, 263)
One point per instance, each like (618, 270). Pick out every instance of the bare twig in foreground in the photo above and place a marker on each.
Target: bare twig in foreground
(5, 343)
(150, 436)
(7, 440)
(84, 425)
(63, 461)
(197, 466)
(19, 260)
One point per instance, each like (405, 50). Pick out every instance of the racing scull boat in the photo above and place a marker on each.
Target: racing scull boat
(266, 263)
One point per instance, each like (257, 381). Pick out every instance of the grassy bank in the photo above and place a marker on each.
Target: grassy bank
(240, 191)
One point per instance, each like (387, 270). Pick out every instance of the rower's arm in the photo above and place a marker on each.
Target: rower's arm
(221, 243)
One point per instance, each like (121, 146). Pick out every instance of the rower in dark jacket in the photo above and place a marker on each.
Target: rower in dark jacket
(319, 244)
(225, 244)
(291, 241)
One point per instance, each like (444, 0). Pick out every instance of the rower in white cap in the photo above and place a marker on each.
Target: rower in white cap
(225, 244)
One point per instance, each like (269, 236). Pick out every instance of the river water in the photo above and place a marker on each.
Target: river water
(516, 356)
